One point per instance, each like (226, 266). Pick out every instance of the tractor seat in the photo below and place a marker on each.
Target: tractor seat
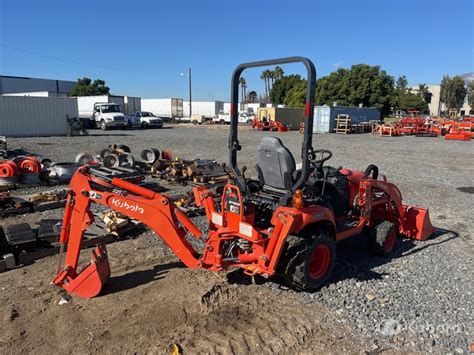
(276, 166)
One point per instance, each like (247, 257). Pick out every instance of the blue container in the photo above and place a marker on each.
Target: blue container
(325, 116)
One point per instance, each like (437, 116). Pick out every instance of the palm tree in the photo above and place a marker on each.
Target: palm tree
(271, 79)
(252, 96)
(243, 85)
(264, 77)
(424, 92)
(278, 71)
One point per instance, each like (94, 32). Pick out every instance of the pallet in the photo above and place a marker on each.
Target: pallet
(343, 124)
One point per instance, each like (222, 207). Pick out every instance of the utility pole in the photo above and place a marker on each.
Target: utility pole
(190, 95)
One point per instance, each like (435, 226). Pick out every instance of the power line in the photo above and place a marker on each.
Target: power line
(84, 64)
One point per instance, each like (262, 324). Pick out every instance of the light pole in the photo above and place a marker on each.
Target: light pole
(190, 91)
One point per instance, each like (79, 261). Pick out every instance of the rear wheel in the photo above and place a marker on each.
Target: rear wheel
(383, 238)
(308, 260)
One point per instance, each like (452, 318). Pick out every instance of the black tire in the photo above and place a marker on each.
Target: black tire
(195, 122)
(222, 122)
(129, 124)
(103, 125)
(383, 238)
(144, 125)
(298, 265)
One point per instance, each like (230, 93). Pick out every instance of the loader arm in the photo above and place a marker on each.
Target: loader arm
(155, 210)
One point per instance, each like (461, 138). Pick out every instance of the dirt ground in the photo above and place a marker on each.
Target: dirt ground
(152, 301)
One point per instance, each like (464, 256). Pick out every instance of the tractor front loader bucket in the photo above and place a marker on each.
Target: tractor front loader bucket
(89, 282)
(416, 223)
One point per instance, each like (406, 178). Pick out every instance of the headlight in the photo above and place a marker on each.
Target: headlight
(109, 119)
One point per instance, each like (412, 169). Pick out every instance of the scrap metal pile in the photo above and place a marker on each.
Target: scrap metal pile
(159, 164)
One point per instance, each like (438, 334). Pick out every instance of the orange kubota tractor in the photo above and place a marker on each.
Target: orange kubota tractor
(286, 222)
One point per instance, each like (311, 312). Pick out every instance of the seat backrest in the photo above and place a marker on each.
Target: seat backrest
(276, 163)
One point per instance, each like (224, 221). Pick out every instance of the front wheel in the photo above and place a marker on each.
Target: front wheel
(383, 238)
(308, 260)
(103, 125)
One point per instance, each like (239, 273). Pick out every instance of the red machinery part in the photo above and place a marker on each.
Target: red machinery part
(8, 169)
(29, 165)
(458, 136)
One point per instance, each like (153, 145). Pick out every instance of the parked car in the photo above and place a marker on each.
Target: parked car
(148, 120)
(244, 117)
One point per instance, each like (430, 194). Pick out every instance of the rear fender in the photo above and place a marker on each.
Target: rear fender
(315, 215)
(289, 220)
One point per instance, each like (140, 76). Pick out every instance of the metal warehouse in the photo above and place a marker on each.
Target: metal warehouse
(26, 116)
(19, 84)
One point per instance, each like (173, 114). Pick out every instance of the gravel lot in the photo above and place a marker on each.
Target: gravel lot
(420, 299)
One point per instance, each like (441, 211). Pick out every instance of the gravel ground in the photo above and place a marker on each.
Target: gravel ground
(420, 299)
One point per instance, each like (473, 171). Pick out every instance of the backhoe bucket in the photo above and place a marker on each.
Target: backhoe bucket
(89, 281)
(417, 223)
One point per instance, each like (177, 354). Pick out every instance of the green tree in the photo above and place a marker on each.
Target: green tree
(470, 94)
(410, 101)
(453, 92)
(424, 92)
(296, 96)
(361, 84)
(402, 83)
(282, 86)
(87, 87)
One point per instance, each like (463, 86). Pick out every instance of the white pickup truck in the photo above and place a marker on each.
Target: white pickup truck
(147, 119)
(224, 118)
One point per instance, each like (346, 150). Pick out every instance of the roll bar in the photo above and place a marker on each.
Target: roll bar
(307, 147)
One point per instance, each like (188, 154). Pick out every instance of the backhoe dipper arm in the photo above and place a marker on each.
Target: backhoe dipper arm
(155, 210)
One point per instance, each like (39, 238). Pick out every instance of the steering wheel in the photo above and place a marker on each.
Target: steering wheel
(324, 155)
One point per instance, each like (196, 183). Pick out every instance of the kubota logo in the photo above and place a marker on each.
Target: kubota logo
(127, 206)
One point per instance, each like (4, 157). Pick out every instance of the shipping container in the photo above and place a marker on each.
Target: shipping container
(26, 116)
(172, 108)
(206, 108)
(292, 117)
(325, 116)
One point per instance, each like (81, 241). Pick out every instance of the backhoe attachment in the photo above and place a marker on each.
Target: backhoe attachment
(153, 209)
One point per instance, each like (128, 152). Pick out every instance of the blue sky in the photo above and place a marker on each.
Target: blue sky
(140, 47)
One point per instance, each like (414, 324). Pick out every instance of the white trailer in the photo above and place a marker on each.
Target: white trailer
(206, 108)
(167, 108)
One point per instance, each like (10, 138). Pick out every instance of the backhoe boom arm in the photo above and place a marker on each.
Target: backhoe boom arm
(155, 210)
